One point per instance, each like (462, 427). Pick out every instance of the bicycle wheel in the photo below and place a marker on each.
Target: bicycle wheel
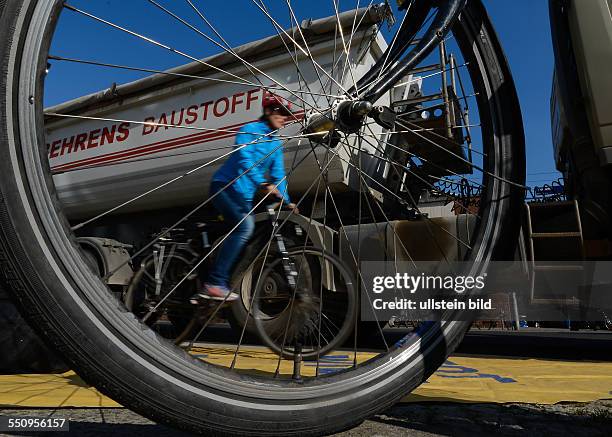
(318, 313)
(388, 148)
(151, 283)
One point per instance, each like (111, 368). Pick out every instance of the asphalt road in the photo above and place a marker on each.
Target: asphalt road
(425, 419)
(432, 419)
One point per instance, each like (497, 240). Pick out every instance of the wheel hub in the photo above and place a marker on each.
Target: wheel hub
(345, 116)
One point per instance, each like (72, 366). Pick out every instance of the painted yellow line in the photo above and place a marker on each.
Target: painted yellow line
(502, 380)
(460, 379)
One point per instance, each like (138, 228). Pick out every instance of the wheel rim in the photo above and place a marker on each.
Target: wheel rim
(39, 173)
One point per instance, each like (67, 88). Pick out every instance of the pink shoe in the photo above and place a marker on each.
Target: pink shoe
(213, 292)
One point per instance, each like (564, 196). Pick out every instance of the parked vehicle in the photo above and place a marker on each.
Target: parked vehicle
(581, 112)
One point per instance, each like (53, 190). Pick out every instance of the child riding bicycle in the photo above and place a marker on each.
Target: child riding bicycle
(255, 165)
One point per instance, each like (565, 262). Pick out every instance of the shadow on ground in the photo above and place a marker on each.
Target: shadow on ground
(419, 419)
(456, 419)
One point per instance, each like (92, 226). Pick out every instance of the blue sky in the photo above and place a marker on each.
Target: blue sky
(522, 26)
(524, 29)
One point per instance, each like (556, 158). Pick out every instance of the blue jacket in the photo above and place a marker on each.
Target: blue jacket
(244, 158)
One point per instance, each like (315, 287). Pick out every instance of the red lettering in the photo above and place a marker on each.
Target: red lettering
(216, 110)
(235, 101)
(148, 128)
(93, 138)
(124, 130)
(192, 114)
(53, 153)
(177, 123)
(79, 144)
(108, 135)
(251, 98)
(205, 106)
(163, 120)
(67, 145)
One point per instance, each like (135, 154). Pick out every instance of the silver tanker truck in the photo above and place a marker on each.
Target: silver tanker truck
(133, 138)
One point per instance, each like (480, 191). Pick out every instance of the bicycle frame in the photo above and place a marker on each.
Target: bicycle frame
(446, 16)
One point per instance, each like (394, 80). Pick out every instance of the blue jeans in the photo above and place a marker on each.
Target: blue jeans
(234, 209)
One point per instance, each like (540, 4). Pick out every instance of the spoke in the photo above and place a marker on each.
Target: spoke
(414, 200)
(247, 64)
(362, 193)
(399, 199)
(154, 124)
(353, 30)
(299, 28)
(188, 76)
(218, 34)
(358, 269)
(414, 155)
(278, 229)
(337, 61)
(393, 41)
(408, 171)
(319, 325)
(228, 45)
(394, 165)
(218, 244)
(171, 181)
(330, 322)
(344, 46)
(359, 246)
(154, 42)
(461, 158)
(295, 59)
(326, 159)
(190, 213)
(305, 52)
(396, 236)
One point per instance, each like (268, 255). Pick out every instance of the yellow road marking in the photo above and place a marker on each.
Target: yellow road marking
(460, 379)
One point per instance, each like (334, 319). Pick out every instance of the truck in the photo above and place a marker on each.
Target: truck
(166, 134)
(581, 113)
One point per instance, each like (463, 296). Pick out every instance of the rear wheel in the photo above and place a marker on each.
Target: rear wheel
(111, 348)
(318, 314)
(152, 282)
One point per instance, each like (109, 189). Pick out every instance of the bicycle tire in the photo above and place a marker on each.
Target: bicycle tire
(112, 350)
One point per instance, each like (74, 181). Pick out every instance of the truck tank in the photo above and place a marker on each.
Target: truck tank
(125, 142)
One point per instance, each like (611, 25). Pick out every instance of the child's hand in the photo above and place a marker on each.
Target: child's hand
(268, 188)
(293, 207)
